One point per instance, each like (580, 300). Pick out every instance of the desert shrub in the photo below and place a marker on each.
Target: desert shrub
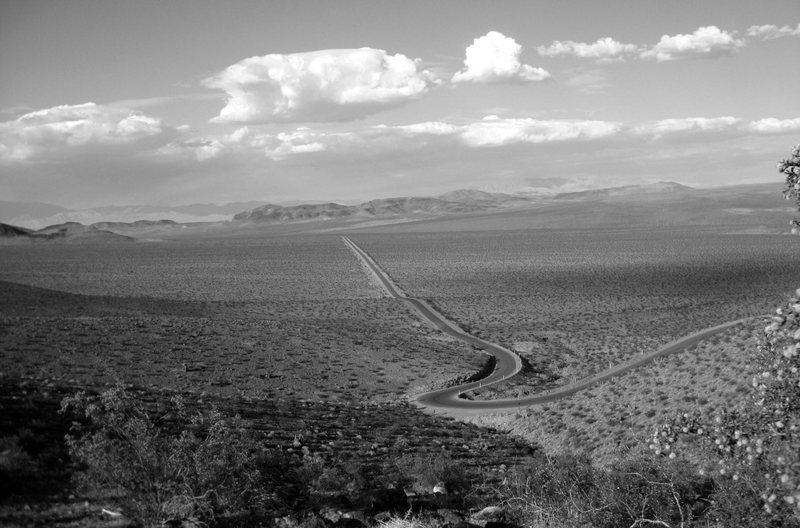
(758, 443)
(202, 466)
(345, 475)
(553, 490)
(16, 466)
(568, 491)
(426, 471)
(650, 492)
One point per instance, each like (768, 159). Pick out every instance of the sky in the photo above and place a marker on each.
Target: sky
(108, 102)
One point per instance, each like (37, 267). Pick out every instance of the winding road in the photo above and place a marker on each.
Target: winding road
(507, 363)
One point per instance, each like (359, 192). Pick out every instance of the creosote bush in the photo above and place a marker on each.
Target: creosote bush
(209, 466)
(567, 491)
(425, 472)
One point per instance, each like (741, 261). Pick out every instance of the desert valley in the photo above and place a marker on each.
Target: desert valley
(379, 264)
(273, 317)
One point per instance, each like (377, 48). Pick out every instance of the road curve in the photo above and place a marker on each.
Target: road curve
(448, 400)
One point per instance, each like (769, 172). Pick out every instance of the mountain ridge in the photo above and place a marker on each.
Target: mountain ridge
(663, 200)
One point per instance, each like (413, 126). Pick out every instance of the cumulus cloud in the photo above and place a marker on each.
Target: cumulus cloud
(494, 58)
(51, 132)
(603, 50)
(707, 41)
(771, 31)
(318, 86)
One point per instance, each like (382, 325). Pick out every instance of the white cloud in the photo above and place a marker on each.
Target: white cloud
(688, 126)
(496, 132)
(495, 58)
(771, 125)
(489, 132)
(603, 50)
(771, 31)
(436, 128)
(716, 127)
(707, 41)
(318, 86)
(57, 131)
(247, 141)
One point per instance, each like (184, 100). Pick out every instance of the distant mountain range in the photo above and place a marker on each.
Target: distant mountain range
(38, 215)
(71, 232)
(462, 201)
(654, 189)
(744, 208)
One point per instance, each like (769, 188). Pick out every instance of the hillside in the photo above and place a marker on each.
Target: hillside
(73, 232)
(450, 203)
(752, 209)
(38, 216)
(7, 230)
(755, 208)
(629, 191)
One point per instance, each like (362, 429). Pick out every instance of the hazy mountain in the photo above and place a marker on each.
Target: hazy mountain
(741, 209)
(755, 208)
(628, 191)
(11, 210)
(73, 232)
(137, 224)
(461, 201)
(481, 197)
(180, 213)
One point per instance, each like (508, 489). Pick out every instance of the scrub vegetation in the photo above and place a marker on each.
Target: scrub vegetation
(573, 303)
(262, 381)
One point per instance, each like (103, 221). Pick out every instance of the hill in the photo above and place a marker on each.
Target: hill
(38, 216)
(73, 232)
(752, 209)
(629, 191)
(7, 230)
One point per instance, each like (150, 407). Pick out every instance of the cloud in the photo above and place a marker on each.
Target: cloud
(707, 41)
(318, 86)
(494, 58)
(603, 50)
(71, 129)
(714, 128)
(687, 125)
(248, 141)
(771, 125)
(436, 128)
(493, 131)
(489, 132)
(770, 31)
